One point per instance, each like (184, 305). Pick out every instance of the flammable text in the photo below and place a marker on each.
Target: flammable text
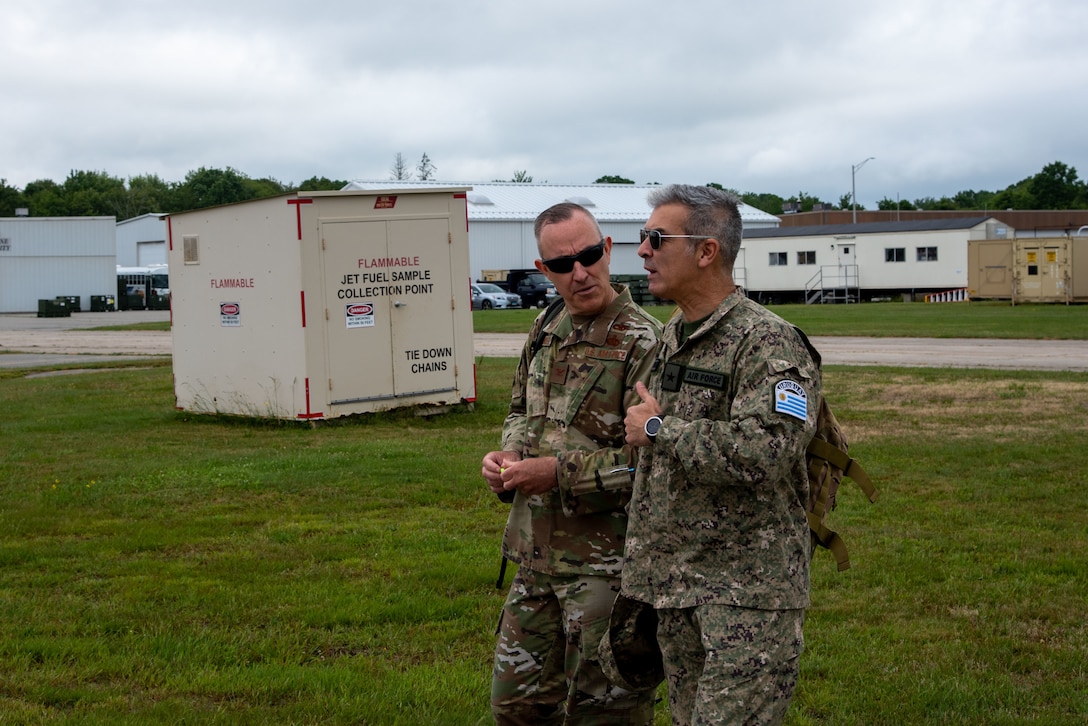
(389, 262)
(225, 282)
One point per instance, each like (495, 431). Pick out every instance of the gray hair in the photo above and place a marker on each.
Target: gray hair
(713, 213)
(561, 213)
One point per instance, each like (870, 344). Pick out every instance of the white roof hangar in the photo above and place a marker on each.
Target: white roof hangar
(501, 216)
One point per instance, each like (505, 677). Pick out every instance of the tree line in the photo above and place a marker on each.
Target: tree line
(1055, 187)
(97, 193)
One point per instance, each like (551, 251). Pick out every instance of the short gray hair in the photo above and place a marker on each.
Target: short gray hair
(561, 213)
(713, 213)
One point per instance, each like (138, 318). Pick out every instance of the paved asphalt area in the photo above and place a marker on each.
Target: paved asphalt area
(59, 341)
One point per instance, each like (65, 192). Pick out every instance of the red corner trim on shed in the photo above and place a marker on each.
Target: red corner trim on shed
(298, 212)
(463, 195)
(309, 414)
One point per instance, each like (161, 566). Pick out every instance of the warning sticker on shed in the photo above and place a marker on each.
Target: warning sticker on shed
(230, 315)
(360, 315)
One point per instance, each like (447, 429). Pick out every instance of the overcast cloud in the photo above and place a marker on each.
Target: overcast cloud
(776, 97)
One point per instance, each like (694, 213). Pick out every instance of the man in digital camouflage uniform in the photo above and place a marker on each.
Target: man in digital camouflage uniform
(717, 540)
(564, 458)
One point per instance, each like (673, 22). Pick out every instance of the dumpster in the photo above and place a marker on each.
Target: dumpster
(103, 303)
(72, 301)
(158, 302)
(57, 308)
(131, 301)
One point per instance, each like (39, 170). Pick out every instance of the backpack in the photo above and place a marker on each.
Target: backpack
(829, 460)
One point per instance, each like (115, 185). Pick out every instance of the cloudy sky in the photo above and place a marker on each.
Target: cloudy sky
(780, 97)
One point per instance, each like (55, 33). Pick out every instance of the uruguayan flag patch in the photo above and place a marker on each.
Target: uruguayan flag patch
(790, 398)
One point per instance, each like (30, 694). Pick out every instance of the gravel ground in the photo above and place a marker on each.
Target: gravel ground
(27, 340)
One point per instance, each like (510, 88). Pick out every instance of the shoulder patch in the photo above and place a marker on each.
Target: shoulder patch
(790, 398)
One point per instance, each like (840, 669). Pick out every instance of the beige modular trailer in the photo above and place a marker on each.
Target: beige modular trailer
(989, 269)
(317, 305)
(1030, 269)
(1050, 269)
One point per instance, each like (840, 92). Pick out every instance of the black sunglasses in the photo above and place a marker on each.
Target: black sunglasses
(586, 258)
(655, 237)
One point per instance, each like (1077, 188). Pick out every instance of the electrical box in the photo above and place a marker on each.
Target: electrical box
(317, 305)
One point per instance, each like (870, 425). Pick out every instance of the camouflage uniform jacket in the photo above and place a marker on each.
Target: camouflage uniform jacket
(718, 510)
(569, 401)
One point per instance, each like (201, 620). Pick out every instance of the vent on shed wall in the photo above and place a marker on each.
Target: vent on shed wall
(191, 249)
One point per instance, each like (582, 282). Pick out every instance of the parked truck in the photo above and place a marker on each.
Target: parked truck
(531, 285)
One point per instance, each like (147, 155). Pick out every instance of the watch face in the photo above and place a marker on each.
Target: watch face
(652, 425)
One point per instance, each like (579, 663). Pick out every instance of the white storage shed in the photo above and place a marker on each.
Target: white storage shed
(316, 305)
(43, 258)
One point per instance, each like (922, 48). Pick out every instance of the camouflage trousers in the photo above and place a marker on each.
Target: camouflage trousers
(730, 665)
(546, 668)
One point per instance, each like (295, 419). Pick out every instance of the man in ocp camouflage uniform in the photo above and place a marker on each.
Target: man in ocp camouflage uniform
(717, 540)
(564, 459)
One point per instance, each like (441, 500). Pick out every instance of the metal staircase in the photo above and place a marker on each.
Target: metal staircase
(833, 284)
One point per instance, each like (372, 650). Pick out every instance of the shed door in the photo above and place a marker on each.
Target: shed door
(388, 299)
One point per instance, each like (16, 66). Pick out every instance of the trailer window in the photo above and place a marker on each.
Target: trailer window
(895, 254)
(777, 258)
(927, 254)
(806, 257)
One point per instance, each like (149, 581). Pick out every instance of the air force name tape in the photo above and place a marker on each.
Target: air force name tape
(790, 398)
(676, 374)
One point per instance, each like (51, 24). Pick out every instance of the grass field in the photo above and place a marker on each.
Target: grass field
(159, 567)
(875, 320)
(880, 320)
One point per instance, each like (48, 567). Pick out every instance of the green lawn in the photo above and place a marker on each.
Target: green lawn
(160, 567)
(875, 320)
(878, 320)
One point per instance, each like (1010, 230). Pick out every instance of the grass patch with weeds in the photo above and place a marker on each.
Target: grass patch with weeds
(157, 566)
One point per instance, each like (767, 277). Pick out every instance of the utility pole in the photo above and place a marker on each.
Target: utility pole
(853, 186)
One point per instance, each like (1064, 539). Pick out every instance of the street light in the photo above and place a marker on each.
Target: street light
(853, 186)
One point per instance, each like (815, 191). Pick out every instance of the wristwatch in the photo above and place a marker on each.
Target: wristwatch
(653, 425)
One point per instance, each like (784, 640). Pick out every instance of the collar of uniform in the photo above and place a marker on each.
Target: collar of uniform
(596, 331)
(676, 323)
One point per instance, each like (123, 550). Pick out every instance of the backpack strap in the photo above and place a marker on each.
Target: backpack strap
(831, 540)
(850, 466)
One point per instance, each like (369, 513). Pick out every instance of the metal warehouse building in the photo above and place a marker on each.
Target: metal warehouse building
(141, 241)
(501, 216)
(42, 258)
